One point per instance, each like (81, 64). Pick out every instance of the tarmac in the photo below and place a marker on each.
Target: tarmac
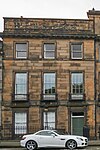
(16, 144)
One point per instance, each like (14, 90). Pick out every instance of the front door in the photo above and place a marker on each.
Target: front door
(77, 123)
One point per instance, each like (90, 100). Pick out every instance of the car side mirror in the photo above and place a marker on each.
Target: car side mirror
(53, 135)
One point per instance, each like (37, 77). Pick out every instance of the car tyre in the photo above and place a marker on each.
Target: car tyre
(31, 145)
(71, 144)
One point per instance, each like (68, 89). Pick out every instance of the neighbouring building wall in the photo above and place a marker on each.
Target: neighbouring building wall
(1, 52)
(95, 16)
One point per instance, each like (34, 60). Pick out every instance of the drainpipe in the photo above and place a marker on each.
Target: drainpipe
(95, 92)
(1, 55)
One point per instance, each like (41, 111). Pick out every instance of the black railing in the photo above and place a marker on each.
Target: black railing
(8, 132)
(49, 97)
(77, 97)
(11, 133)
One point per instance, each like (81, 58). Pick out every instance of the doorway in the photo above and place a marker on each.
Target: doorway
(77, 123)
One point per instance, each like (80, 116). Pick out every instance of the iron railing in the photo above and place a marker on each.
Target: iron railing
(10, 133)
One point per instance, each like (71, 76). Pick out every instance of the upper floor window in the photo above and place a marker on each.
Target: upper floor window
(49, 86)
(77, 87)
(76, 50)
(49, 50)
(21, 86)
(21, 50)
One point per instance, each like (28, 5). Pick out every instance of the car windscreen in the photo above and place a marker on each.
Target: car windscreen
(60, 132)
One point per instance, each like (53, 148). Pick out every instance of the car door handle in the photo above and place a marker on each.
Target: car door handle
(62, 139)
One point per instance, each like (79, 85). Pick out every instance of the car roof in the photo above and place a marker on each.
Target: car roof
(46, 130)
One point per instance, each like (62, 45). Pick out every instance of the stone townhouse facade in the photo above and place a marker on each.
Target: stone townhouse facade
(51, 75)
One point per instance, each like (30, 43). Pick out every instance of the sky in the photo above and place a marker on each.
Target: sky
(66, 9)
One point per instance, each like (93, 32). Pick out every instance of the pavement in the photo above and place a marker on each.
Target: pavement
(16, 144)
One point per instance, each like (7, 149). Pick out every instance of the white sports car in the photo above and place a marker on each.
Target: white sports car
(52, 139)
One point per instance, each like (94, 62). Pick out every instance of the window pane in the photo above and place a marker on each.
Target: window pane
(20, 46)
(50, 54)
(20, 123)
(49, 47)
(76, 47)
(21, 54)
(77, 54)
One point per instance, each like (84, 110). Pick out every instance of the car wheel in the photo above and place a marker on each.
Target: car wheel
(31, 145)
(71, 144)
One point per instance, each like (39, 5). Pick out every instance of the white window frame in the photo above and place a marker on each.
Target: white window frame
(73, 51)
(46, 51)
(49, 96)
(18, 51)
(74, 81)
(20, 95)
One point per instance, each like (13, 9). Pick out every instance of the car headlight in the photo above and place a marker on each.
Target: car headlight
(23, 138)
(79, 138)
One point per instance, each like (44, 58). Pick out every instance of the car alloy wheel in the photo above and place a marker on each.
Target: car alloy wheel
(71, 144)
(31, 145)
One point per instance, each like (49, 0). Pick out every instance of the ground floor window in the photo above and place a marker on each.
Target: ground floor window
(77, 123)
(49, 120)
(20, 123)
